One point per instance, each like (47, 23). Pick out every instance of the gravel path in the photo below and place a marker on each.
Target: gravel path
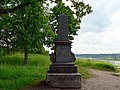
(103, 81)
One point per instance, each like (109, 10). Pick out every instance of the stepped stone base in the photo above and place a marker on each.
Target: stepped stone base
(63, 68)
(64, 80)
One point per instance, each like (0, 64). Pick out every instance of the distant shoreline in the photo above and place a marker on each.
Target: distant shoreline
(115, 57)
(112, 58)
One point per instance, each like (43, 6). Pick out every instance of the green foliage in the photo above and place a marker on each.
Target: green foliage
(95, 64)
(38, 50)
(27, 27)
(75, 13)
(32, 28)
(6, 35)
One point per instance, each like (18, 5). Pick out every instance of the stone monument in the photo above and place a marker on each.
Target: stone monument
(63, 72)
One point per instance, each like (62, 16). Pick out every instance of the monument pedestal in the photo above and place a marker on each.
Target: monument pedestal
(63, 68)
(63, 75)
(64, 80)
(63, 72)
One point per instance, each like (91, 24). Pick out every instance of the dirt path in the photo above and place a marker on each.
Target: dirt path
(103, 81)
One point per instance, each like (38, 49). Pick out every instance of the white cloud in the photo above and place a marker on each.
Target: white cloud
(116, 18)
(100, 30)
(112, 35)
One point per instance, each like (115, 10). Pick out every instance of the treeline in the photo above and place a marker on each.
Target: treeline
(100, 56)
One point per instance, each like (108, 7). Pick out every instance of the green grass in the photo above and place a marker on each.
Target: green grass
(17, 59)
(96, 64)
(85, 73)
(85, 64)
(116, 74)
(14, 75)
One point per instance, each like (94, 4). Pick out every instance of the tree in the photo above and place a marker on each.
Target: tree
(6, 34)
(75, 13)
(31, 23)
(14, 5)
(30, 26)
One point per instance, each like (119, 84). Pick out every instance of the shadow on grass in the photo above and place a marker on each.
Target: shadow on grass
(41, 85)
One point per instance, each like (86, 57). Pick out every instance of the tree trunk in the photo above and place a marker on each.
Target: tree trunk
(7, 42)
(25, 56)
(8, 52)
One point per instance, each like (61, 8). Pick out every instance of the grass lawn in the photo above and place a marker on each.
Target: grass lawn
(14, 75)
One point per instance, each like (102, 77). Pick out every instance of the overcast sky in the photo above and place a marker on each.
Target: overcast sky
(100, 30)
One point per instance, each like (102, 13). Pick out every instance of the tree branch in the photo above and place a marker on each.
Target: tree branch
(5, 11)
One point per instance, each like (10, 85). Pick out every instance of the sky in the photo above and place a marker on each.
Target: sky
(100, 30)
